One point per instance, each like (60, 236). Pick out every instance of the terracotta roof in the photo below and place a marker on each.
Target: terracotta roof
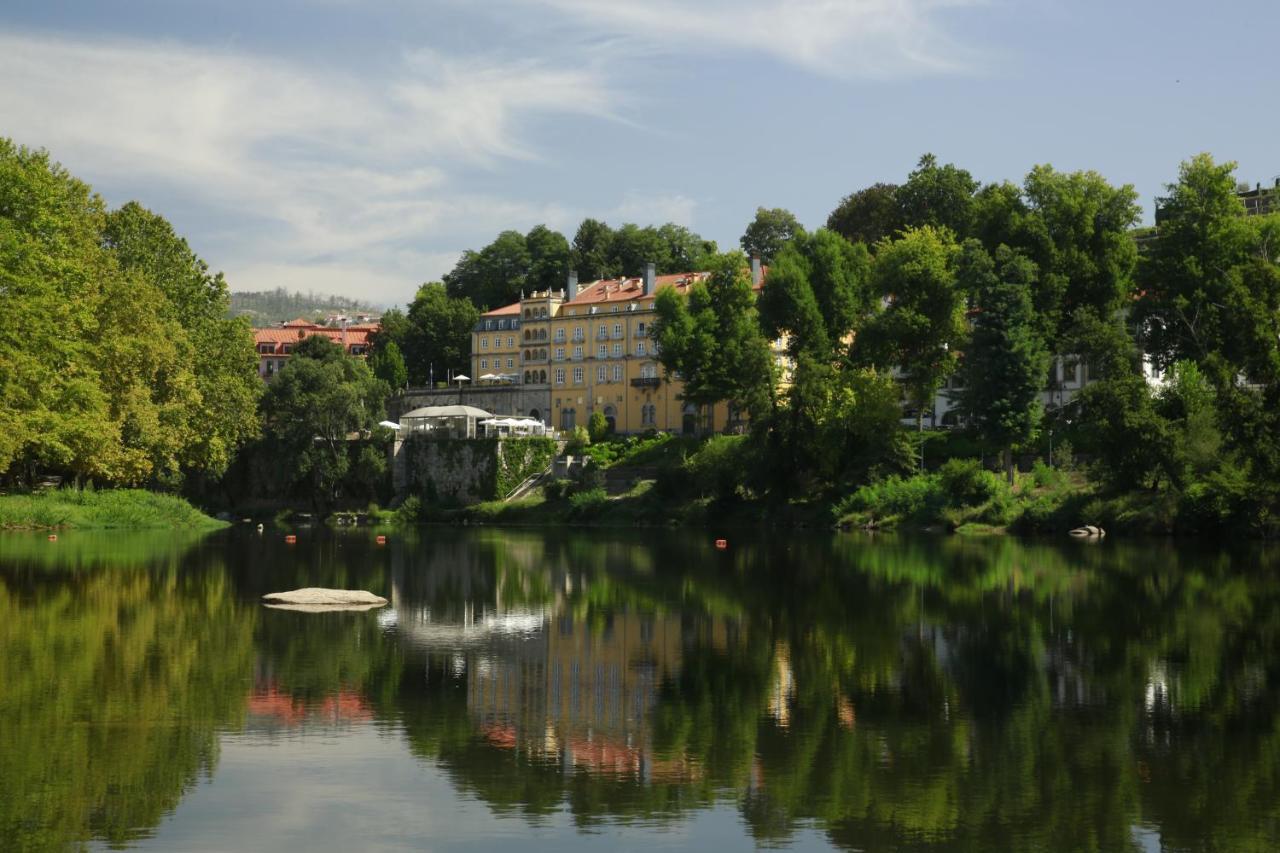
(505, 310)
(290, 334)
(301, 321)
(631, 289)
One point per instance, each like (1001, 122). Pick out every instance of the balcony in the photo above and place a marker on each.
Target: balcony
(646, 382)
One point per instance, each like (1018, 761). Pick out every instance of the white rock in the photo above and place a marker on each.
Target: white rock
(314, 596)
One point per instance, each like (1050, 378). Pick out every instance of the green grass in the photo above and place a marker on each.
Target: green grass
(134, 509)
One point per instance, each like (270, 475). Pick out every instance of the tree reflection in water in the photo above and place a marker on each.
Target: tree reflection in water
(937, 694)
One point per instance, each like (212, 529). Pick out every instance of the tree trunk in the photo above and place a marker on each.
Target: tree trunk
(1008, 465)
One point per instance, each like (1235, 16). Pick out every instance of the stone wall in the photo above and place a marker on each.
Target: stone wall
(467, 471)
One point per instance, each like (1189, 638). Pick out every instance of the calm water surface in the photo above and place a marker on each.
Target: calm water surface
(596, 690)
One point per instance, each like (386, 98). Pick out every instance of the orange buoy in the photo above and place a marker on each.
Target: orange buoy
(290, 539)
(722, 544)
(53, 537)
(382, 540)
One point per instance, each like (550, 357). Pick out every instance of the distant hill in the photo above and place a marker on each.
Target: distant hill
(268, 307)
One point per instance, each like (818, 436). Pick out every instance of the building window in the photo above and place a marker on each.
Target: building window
(577, 376)
(484, 364)
(511, 362)
(602, 374)
(511, 342)
(649, 371)
(603, 351)
(577, 353)
(579, 335)
(559, 375)
(484, 343)
(640, 329)
(617, 373)
(559, 353)
(640, 350)
(560, 336)
(617, 350)
(617, 329)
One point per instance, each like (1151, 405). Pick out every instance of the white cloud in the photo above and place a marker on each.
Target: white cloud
(845, 38)
(644, 208)
(340, 171)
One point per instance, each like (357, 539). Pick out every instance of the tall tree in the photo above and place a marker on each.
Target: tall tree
(633, 247)
(549, 258)
(768, 232)
(1005, 360)
(495, 275)
(592, 250)
(938, 196)
(819, 292)
(438, 334)
(868, 215)
(922, 325)
(712, 338)
(387, 363)
(315, 402)
(685, 250)
(226, 368)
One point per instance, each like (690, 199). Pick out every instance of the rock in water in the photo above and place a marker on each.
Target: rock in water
(318, 598)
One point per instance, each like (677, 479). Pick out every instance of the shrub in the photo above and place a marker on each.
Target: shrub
(900, 497)
(964, 482)
(586, 503)
(579, 441)
(718, 466)
(597, 426)
(1045, 477)
(411, 511)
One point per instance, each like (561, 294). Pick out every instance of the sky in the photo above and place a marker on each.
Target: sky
(357, 147)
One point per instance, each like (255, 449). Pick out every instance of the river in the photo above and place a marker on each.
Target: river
(610, 689)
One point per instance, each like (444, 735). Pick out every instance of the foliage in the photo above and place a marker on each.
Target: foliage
(868, 216)
(387, 363)
(769, 232)
(585, 503)
(1006, 360)
(123, 368)
(711, 337)
(519, 459)
(937, 196)
(922, 327)
(435, 335)
(716, 468)
(101, 508)
(579, 440)
(597, 427)
(320, 398)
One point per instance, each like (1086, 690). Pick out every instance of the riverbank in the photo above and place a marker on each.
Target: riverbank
(87, 509)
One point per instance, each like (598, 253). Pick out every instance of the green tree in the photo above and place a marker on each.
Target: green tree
(938, 196)
(387, 363)
(494, 276)
(221, 351)
(921, 329)
(685, 250)
(437, 336)
(597, 427)
(1005, 360)
(819, 293)
(592, 250)
(868, 215)
(549, 258)
(711, 338)
(316, 402)
(768, 232)
(634, 246)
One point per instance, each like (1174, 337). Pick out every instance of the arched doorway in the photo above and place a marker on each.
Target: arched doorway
(689, 423)
(535, 414)
(611, 418)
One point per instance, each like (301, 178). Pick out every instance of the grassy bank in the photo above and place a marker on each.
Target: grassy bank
(135, 509)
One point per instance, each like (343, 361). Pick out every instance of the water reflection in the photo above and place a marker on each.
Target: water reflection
(896, 695)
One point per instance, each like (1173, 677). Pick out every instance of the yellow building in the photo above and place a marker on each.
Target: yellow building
(591, 348)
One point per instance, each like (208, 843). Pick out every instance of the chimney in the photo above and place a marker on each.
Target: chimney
(650, 279)
(757, 274)
(572, 292)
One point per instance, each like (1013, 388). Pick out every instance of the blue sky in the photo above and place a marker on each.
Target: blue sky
(358, 146)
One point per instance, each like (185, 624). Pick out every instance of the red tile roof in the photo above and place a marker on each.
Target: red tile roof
(504, 311)
(291, 333)
(631, 289)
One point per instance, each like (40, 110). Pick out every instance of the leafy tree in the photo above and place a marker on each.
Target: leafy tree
(1005, 359)
(922, 326)
(320, 398)
(819, 293)
(496, 275)
(633, 247)
(437, 336)
(937, 196)
(712, 338)
(221, 350)
(592, 250)
(549, 258)
(769, 232)
(387, 363)
(868, 215)
(685, 250)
